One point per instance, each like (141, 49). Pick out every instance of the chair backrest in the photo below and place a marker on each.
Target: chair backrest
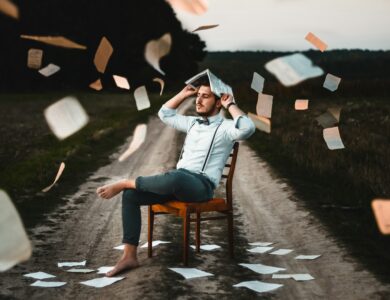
(229, 176)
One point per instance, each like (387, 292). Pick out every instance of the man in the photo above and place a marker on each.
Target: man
(208, 144)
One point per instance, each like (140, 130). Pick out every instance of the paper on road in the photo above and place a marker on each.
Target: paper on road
(104, 270)
(39, 275)
(259, 286)
(296, 277)
(155, 243)
(260, 249)
(73, 270)
(207, 247)
(307, 257)
(59, 173)
(101, 282)
(262, 244)
(262, 269)
(48, 284)
(71, 264)
(189, 273)
(282, 252)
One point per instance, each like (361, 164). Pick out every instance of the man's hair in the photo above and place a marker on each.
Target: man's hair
(204, 81)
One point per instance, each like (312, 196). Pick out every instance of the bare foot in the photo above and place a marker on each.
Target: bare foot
(110, 190)
(122, 265)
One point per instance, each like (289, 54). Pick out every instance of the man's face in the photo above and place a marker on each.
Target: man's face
(206, 103)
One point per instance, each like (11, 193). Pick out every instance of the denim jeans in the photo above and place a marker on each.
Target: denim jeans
(180, 185)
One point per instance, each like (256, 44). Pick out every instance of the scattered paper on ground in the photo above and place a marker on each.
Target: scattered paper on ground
(49, 70)
(141, 98)
(257, 82)
(331, 82)
(260, 249)
(207, 247)
(65, 117)
(39, 275)
(104, 270)
(293, 69)
(262, 244)
(261, 123)
(259, 286)
(71, 264)
(301, 104)
(197, 7)
(296, 277)
(281, 252)
(58, 41)
(34, 58)
(8, 8)
(205, 27)
(262, 269)
(316, 41)
(101, 282)
(155, 243)
(264, 105)
(156, 49)
(59, 173)
(332, 138)
(103, 54)
(381, 208)
(15, 246)
(96, 85)
(139, 137)
(161, 82)
(121, 82)
(189, 273)
(73, 270)
(307, 257)
(48, 284)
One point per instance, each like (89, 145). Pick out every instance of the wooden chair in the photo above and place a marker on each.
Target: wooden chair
(184, 210)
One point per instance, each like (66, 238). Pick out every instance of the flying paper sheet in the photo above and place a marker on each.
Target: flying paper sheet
(96, 85)
(205, 27)
(260, 249)
(281, 252)
(330, 118)
(139, 137)
(49, 70)
(259, 286)
(104, 270)
(262, 244)
(161, 82)
(257, 82)
(296, 277)
(71, 264)
(59, 173)
(155, 243)
(307, 257)
(293, 69)
(101, 282)
(65, 117)
(10, 9)
(102, 55)
(39, 275)
(315, 41)
(301, 104)
(218, 87)
(332, 138)
(34, 58)
(262, 269)
(189, 273)
(15, 246)
(261, 123)
(381, 208)
(141, 98)
(264, 105)
(331, 82)
(58, 41)
(335, 111)
(207, 247)
(156, 49)
(121, 82)
(197, 7)
(48, 284)
(80, 270)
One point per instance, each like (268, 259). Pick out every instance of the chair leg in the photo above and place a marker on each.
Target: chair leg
(230, 234)
(186, 231)
(197, 233)
(150, 231)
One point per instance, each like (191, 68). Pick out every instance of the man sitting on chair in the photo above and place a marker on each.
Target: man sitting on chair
(207, 146)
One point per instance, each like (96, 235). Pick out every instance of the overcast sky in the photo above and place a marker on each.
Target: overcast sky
(283, 24)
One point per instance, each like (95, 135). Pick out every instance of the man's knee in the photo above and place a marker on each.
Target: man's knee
(128, 196)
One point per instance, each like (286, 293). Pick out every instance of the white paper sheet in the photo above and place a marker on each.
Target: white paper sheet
(101, 282)
(121, 82)
(189, 273)
(259, 286)
(264, 105)
(155, 243)
(73, 270)
(49, 70)
(260, 249)
(257, 82)
(161, 82)
(58, 41)
(332, 138)
(65, 117)
(262, 269)
(103, 54)
(309, 257)
(156, 49)
(34, 58)
(104, 270)
(301, 104)
(139, 137)
(207, 247)
(59, 173)
(327, 120)
(262, 244)
(196, 7)
(39, 275)
(15, 246)
(205, 27)
(296, 277)
(120, 247)
(8, 8)
(96, 85)
(71, 264)
(217, 86)
(381, 208)
(281, 252)
(331, 82)
(141, 98)
(293, 69)
(48, 284)
(316, 41)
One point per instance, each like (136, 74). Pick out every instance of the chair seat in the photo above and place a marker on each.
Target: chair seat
(180, 208)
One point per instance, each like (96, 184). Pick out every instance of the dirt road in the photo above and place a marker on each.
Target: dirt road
(86, 227)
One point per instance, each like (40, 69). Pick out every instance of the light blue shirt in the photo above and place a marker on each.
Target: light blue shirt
(199, 138)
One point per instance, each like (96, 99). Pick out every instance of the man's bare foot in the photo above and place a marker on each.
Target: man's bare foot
(110, 190)
(122, 265)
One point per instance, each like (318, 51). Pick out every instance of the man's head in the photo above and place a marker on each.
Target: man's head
(207, 104)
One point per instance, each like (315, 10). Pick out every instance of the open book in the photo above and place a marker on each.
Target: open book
(218, 87)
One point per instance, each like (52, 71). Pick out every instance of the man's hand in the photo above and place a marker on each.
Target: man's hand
(188, 91)
(226, 99)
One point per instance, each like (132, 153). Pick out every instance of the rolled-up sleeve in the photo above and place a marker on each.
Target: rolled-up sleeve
(171, 118)
(241, 129)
